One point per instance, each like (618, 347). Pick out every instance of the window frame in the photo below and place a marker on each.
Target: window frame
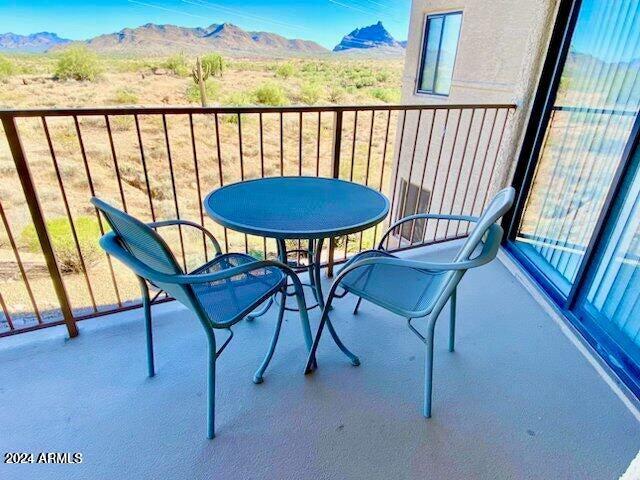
(423, 51)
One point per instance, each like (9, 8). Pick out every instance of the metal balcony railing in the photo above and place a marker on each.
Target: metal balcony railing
(159, 162)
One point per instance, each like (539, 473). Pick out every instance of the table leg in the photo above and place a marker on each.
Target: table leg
(314, 273)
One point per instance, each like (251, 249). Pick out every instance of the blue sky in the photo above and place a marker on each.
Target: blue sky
(324, 21)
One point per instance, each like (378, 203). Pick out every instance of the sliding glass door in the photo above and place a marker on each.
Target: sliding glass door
(589, 126)
(576, 225)
(612, 296)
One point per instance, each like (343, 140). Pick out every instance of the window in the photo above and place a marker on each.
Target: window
(439, 53)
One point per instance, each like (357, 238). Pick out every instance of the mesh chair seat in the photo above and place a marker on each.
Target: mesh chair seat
(399, 289)
(226, 299)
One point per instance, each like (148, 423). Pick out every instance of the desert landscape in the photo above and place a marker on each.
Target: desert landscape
(76, 76)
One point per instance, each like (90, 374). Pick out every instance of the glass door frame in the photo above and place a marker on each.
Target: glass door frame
(532, 143)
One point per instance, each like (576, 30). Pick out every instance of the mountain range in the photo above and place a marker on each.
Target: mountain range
(373, 36)
(153, 39)
(36, 42)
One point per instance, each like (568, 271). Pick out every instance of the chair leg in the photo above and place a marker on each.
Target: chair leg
(257, 378)
(211, 394)
(311, 361)
(146, 304)
(428, 374)
(355, 310)
(452, 321)
(355, 361)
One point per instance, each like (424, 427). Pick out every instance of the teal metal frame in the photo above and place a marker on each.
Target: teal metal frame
(178, 284)
(487, 233)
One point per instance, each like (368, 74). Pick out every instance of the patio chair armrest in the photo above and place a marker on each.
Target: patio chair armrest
(424, 216)
(175, 222)
(489, 251)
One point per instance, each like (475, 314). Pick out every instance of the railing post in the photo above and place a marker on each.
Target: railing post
(28, 187)
(335, 173)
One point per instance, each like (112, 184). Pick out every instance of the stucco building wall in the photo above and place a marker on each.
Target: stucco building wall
(501, 50)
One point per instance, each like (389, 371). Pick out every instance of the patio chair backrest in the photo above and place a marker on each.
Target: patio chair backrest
(140, 241)
(499, 205)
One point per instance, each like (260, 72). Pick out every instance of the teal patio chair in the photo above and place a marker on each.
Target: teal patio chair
(413, 288)
(220, 293)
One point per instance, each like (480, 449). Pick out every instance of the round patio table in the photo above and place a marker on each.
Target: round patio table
(307, 208)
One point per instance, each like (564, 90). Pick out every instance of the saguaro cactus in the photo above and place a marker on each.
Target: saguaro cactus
(200, 74)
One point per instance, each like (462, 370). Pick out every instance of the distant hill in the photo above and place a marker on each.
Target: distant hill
(36, 42)
(152, 39)
(368, 38)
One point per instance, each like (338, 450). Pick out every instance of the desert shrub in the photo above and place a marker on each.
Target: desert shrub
(59, 229)
(336, 94)
(285, 70)
(214, 63)
(133, 176)
(256, 253)
(387, 95)
(211, 88)
(314, 67)
(6, 68)
(358, 77)
(271, 94)
(238, 99)
(382, 76)
(178, 65)
(120, 123)
(125, 96)
(310, 93)
(77, 63)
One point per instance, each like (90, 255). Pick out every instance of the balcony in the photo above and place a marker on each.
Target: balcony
(520, 398)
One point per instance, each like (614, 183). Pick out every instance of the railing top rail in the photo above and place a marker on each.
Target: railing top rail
(184, 110)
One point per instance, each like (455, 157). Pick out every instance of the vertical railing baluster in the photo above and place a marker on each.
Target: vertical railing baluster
(318, 144)
(436, 172)
(460, 170)
(23, 272)
(220, 175)
(281, 145)
(424, 172)
(446, 180)
(484, 161)
(115, 162)
(473, 165)
(240, 151)
(403, 209)
(335, 173)
(144, 167)
(384, 158)
(173, 187)
(198, 186)
(366, 170)
(397, 170)
(31, 196)
(67, 209)
(507, 112)
(353, 158)
(261, 145)
(300, 144)
(7, 316)
(87, 171)
(300, 171)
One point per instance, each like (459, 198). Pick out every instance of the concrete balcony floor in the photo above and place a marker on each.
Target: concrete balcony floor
(517, 400)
